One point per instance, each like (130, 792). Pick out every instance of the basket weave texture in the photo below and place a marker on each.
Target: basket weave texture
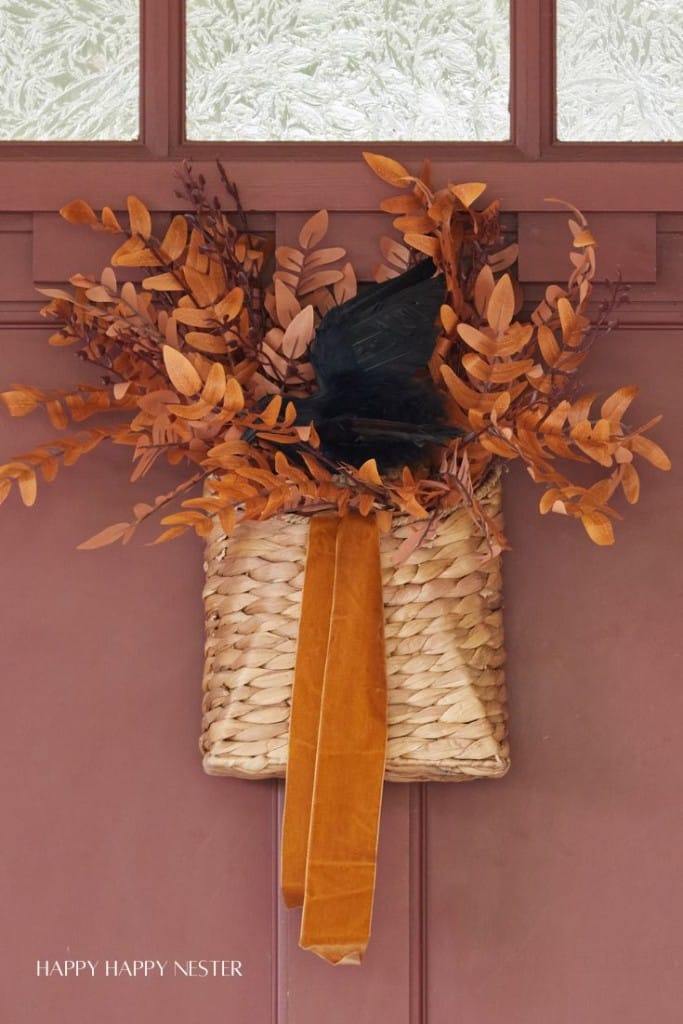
(444, 646)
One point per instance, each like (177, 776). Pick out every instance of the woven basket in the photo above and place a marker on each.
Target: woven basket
(444, 645)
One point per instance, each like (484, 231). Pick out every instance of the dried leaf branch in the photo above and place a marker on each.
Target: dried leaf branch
(513, 384)
(199, 351)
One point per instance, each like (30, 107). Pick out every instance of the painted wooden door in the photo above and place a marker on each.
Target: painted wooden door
(549, 896)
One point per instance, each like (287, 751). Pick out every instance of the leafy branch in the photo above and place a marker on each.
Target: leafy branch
(197, 355)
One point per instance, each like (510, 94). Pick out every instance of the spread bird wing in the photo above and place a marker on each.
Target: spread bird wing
(389, 325)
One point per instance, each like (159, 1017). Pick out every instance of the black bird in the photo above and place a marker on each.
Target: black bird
(366, 354)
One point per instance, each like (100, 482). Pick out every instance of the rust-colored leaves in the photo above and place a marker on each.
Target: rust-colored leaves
(507, 380)
(199, 352)
(387, 169)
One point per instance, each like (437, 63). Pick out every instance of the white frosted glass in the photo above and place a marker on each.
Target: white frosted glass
(619, 70)
(352, 70)
(69, 70)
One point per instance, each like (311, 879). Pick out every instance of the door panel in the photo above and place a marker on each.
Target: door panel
(505, 894)
(552, 890)
(116, 845)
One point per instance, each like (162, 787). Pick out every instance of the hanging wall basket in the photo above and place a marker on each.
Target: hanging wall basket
(444, 647)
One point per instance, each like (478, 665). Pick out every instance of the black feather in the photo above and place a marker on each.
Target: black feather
(377, 414)
(366, 352)
(387, 325)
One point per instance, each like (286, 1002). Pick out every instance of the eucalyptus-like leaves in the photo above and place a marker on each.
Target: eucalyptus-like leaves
(198, 352)
(513, 383)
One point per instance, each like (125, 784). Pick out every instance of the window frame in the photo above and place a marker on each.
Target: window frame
(304, 176)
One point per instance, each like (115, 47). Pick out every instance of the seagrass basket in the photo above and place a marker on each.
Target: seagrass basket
(444, 647)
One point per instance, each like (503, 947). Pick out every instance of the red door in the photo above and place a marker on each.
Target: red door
(550, 896)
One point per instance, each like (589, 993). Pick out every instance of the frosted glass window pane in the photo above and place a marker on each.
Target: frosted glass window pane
(619, 70)
(69, 69)
(348, 70)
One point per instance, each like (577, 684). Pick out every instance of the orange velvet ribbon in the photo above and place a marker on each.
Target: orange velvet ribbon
(337, 740)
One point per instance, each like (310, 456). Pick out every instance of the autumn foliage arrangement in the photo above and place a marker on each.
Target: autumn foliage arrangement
(199, 353)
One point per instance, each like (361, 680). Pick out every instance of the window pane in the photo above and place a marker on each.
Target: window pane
(619, 70)
(350, 70)
(69, 69)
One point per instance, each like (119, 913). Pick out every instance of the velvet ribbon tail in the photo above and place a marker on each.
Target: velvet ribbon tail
(334, 784)
(304, 718)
